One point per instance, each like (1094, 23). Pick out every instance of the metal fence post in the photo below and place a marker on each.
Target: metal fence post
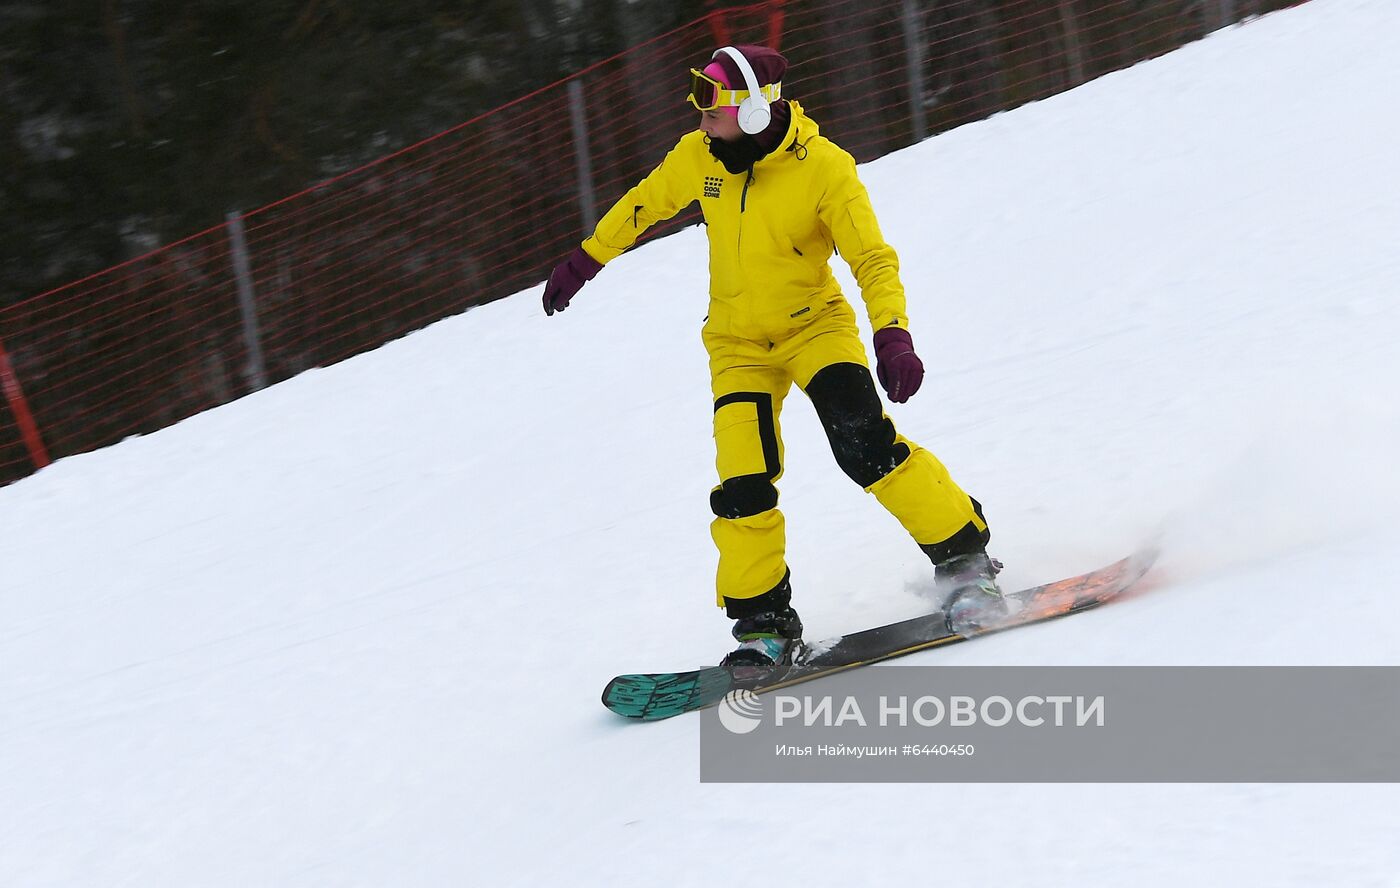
(247, 302)
(914, 60)
(1217, 14)
(1073, 53)
(582, 155)
(28, 429)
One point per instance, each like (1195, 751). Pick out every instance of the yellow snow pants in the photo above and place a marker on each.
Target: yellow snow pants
(827, 360)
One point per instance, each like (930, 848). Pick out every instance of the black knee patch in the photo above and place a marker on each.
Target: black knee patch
(862, 438)
(743, 497)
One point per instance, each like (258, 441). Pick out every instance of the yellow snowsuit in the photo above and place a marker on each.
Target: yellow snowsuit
(777, 317)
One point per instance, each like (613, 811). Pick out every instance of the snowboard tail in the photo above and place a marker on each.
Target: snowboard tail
(653, 696)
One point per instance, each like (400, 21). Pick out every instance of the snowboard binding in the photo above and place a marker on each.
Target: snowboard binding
(769, 644)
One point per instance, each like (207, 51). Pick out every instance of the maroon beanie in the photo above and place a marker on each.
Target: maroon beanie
(768, 65)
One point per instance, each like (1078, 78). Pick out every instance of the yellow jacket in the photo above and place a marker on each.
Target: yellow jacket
(771, 231)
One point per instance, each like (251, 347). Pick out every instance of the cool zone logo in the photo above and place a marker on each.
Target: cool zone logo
(742, 711)
(712, 184)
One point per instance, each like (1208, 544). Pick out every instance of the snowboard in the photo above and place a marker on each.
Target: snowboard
(657, 695)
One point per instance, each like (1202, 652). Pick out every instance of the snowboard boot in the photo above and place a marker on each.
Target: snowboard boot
(972, 600)
(769, 641)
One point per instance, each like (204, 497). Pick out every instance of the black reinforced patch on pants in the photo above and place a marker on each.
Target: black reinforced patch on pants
(749, 495)
(743, 497)
(965, 542)
(862, 438)
(776, 599)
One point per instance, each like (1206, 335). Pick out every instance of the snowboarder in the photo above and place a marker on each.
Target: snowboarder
(777, 198)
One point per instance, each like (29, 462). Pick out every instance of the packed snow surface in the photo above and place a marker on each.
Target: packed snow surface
(352, 630)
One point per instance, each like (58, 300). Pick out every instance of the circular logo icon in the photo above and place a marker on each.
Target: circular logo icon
(740, 711)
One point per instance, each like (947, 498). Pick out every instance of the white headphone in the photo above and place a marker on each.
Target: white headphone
(754, 113)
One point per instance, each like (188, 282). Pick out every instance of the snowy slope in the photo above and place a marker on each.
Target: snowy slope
(352, 630)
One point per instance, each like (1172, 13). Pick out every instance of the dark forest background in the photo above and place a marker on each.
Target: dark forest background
(112, 112)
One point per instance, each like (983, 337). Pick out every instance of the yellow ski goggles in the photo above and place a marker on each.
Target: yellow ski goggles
(707, 93)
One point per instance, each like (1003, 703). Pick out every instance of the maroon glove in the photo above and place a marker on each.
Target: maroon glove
(899, 370)
(568, 278)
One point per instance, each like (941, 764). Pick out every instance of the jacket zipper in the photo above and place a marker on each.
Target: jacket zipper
(743, 202)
